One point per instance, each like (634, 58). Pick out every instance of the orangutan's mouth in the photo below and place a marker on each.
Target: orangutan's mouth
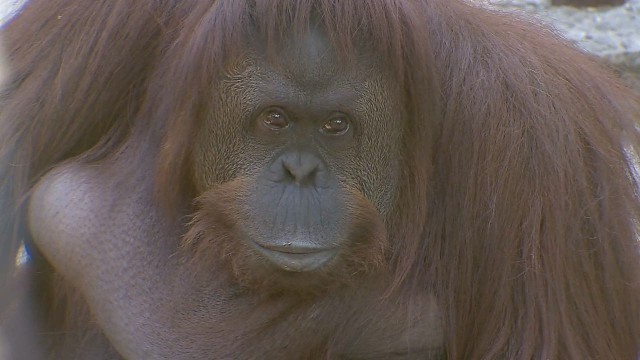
(296, 257)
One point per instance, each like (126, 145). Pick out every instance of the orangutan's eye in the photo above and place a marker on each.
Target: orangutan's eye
(274, 119)
(336, 125)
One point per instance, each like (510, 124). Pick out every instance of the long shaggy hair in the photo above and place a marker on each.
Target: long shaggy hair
(518, 202)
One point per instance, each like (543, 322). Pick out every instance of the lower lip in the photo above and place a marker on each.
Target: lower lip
(298, 261)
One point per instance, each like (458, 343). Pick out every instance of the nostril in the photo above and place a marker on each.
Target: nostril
(288, 172)
(301, 173)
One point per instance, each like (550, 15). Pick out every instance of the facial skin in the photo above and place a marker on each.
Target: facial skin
(295, 169)
(309, 188)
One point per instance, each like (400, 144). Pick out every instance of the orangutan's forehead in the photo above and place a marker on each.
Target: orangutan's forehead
(315, 32)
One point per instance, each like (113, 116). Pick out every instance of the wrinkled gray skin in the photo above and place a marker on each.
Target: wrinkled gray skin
(99, 227)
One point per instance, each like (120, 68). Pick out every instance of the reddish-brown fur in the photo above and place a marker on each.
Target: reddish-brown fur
(519, 198)
(212, 229)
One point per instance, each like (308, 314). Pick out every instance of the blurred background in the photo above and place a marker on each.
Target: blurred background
(611, 32)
